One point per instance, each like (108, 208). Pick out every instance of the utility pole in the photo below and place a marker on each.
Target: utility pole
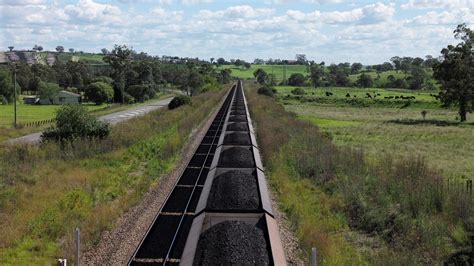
(273, 76)
(14, 95)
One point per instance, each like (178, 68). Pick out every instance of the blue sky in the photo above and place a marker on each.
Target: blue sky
(325, 30)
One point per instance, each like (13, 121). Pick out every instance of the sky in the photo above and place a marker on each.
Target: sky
(333, 31)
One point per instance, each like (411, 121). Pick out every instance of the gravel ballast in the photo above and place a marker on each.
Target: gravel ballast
(237, 157)
(237, 138)
(232, 243)
(234, 190)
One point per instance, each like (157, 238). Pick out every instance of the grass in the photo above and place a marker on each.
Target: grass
(46, 191)
(31, 113)
(387, 128)
(353, 207)
(278, 70)
(85, 57)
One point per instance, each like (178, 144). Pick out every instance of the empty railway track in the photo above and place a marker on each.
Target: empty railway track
(219, 211)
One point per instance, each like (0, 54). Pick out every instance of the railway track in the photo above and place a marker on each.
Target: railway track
(219, 211)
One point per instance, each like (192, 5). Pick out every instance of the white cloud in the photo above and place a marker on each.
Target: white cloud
(21, 2)
(90, 11)
(452, 17)
(194, 2)
(435, 4)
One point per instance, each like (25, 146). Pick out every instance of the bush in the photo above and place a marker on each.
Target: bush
(128, 99)
(141, 93)
(298, 91)
(73, 121)
(267, 91)
(178, 101)
(99, 92)
(296, 79)
(105, 79)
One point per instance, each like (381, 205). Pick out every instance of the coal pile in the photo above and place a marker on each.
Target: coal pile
(237, 138)
(238, 112)
(237, 157)
(238, 118)
(237, 127)
(234, 190)
(232, 243)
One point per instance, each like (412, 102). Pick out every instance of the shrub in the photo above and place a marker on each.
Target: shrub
(128, 99)
(296, 79)
(99, 92)
(178, 101)
(105, 79)
(141, 93)
(298, 91)
(73, 121)
(267, 91)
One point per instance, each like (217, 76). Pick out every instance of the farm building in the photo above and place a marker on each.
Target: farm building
(64, 97)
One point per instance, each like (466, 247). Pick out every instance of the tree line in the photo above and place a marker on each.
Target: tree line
(127, 77)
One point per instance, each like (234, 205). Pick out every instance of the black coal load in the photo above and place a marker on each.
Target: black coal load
(232, 243)
(237, 138)
(234, 190)
(237, 127)
(237, 118)
(237, 157)
(238, 112)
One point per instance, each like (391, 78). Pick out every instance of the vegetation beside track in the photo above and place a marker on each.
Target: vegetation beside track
(396, 126)
(354, 210)
(46, 191)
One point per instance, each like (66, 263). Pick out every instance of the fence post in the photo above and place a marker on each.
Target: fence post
(313, 257)
(78, 246)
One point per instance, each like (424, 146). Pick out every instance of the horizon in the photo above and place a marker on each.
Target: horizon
(333, 31)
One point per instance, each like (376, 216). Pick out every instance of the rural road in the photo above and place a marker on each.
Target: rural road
(112, 119)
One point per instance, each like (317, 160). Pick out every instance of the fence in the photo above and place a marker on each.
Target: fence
(460, 186)
(37, 123)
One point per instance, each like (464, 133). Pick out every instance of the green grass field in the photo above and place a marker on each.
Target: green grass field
(278, 70)
(386, 127)
(86, 57)
(30, 113)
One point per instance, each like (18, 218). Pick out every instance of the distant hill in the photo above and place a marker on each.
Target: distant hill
(30, 57)
(49, 57)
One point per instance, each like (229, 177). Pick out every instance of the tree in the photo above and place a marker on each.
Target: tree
(456, 72)
(397, 63)
(365, 81)
(221, 61)
(99, 92)
(48, 90)
(212, 60)
(417, 78)
(59, 49)
(296, 79)
(301, 59)
(316, 73)
(120, 59)
(104, 51)
(356, 68)
(40, 48)
(141, 92)
(224, 76)
(261, 76)
(6, 85)
(11, 48)
(71, 50)
(247, 65)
